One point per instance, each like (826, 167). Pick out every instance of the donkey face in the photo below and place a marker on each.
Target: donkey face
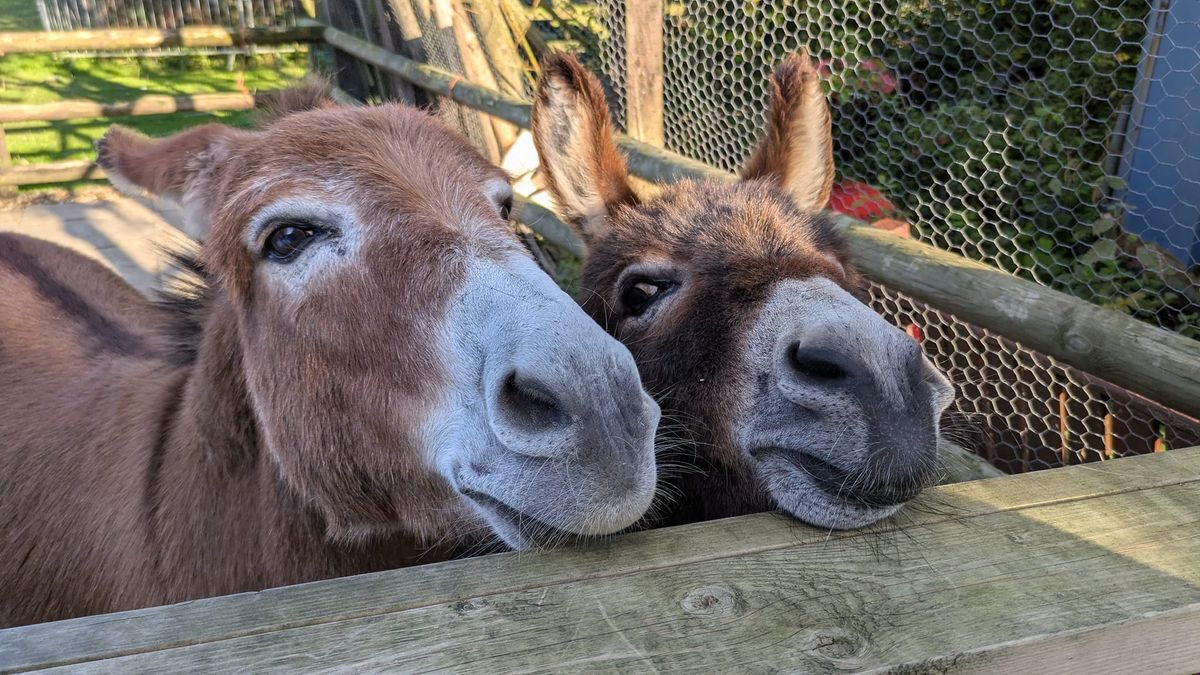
(740, 306)
(406, 360)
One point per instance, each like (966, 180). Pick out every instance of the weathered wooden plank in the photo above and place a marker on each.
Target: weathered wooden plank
(433, 79)
(5, 165)
(1161, 642)
(146, 105)
(1099, 341)
(926, 595)
(544, 222)
(959, 465)
(644, 70)
(99, 637)
(42, 42)
(51, 172)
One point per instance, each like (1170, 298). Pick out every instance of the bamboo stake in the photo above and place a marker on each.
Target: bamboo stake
(1109, 446)
(1062, 428)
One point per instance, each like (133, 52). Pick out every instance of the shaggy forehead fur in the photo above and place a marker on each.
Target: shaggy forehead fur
(727, 244)
(394, 165)
(736, 239)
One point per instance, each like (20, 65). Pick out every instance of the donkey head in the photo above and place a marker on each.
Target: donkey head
(741, 309)
(407, 364)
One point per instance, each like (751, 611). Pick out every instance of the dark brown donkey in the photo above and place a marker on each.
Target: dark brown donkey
(739, 304)
(374, 374)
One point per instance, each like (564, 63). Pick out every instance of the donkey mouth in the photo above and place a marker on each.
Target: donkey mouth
(526, 526)
(835, 482)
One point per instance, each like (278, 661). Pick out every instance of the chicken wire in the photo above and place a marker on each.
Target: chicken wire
(64, 15)
(1045, 139)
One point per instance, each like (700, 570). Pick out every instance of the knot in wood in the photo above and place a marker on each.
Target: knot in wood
(709, 600)
(835, 645)
(1077, 343)
(469, 605)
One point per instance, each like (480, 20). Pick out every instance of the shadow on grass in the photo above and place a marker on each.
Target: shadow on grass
(43, 78)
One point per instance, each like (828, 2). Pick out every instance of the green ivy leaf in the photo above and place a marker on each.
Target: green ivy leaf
(1152, 260)
(1103, 250)
(1104, 224)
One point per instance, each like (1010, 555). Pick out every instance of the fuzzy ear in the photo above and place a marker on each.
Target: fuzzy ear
(796, 151)
(573, 133)
(179, 168)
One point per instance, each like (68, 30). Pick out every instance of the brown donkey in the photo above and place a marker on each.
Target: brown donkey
(739, 304)
(374, 374)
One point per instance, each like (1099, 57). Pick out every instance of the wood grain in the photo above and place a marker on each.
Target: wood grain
(42, 42)
(644, 70)
(957, 591)
(961, 508)
(146, 105)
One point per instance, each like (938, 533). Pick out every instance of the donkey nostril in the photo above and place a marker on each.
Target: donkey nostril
(818, 364)
(529, 404)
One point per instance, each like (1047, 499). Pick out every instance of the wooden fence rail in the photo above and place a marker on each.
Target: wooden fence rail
(70, 109)
(1069, 570)
(50, 172)
(1120, 349)
(40, 42)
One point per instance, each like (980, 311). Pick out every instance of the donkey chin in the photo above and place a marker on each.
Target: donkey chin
(841, 425)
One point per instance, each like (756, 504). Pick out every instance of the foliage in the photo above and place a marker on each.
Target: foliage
(987, 122)
(997, 144)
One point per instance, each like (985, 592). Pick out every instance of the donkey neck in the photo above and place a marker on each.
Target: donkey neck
(222, 520)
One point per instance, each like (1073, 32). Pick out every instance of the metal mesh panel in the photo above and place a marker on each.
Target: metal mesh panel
(1023, 410)
(63, 15)
(1056, 141)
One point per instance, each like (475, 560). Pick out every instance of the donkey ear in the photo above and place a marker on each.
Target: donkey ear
(179, 168)
(796, 151)
(573, 133)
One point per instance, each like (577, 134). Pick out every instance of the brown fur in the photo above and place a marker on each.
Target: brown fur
(727, 244)
(312, 93)
(223, 442)
(583, 166)
(797, 117)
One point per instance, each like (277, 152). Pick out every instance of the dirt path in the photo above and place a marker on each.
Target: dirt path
(126, 234)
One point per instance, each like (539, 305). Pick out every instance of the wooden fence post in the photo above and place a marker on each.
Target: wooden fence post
(644, 70)
(349, 73)
(5, 165)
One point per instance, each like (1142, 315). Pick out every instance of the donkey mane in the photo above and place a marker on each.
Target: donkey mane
(311, 93)
(185, 302)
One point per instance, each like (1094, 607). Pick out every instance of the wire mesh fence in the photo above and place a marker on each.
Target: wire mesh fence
(65, 15)
(1056, 141)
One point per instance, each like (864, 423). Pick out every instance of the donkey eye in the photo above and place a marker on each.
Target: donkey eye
(506, 208)
(286, 241)
(641, 293)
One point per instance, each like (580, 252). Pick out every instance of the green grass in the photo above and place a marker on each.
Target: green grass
(40, 78)
(43, 78)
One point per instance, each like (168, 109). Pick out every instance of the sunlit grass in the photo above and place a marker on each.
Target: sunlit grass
(45, 78)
